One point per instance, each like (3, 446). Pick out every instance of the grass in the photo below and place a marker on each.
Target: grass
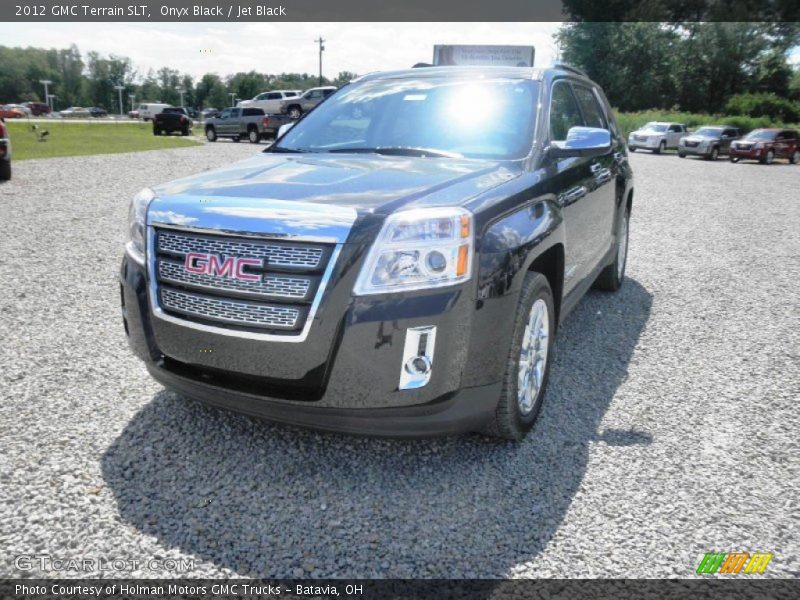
(82, 139)
(634, 120)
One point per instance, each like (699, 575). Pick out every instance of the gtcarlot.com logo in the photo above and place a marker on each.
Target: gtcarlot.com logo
(47, 562)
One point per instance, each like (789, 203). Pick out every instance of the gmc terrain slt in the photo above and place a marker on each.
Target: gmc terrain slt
(397, 263)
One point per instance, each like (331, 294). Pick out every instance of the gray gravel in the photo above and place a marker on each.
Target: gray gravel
(670, 428)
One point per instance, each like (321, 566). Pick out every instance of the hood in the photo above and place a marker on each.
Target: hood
(701, 138)
(363, 182)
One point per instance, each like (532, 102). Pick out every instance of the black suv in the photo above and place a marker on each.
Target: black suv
(397, 263)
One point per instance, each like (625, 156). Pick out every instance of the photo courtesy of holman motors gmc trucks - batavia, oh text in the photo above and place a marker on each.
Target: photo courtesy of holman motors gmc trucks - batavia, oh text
(397, 263)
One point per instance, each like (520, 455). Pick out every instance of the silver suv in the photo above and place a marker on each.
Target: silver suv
(295, 107)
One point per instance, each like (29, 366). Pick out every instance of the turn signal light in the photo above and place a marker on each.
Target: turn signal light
(463, 256)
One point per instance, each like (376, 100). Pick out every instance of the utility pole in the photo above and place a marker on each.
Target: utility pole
(181, 92)
(320, 41)
(232, 97)
(46, 83)
(132, 97)
(119, 89)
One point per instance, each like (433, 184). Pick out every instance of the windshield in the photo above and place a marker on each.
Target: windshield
(423, 117)
(760, 135)
(658, 127)
(708, 132)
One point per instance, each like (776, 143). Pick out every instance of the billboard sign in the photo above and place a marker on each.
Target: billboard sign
(483, 56)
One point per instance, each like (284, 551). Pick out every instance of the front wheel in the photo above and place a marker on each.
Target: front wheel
(295, 112)
(714, 154)
(662, 147)
(611, 278)
(769, 157)
(632, 148)
(528, 364)
(681, 155)
(211, 134)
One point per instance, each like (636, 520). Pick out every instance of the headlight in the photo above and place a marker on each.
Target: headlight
(136, 224)
(419, 249)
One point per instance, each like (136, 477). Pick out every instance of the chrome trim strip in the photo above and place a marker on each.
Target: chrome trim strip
(269, 337)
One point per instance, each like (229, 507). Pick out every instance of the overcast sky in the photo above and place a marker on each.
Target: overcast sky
(198, 48)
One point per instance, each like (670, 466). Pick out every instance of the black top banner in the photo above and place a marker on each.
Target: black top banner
(399, 10)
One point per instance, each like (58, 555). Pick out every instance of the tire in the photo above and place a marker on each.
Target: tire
(612, 277)
(156, 131)
(734, 159)
(5, 170)
(185, 132)
(236, 138)
(295, 112)
(510, 420)
(714, 154)
(632, 148)
(662, 147)
(681, 155)
(253, 136)
(795, 157)
(211, 134)
(769, 158)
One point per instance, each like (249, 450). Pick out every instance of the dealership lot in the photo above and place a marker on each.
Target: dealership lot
(669, 429)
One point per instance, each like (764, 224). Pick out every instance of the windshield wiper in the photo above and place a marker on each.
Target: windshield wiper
(399, 151)
(286, 150)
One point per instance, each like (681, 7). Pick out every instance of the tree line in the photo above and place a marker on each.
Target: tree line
(90, 80)
(717, 67)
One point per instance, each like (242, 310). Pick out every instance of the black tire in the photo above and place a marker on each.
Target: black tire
(509, 422)
(681, 155)
(769, 158)
(632, 148)
(185, 131)
(714, 154)
(211, 134)
(612, 277)
(295, 112)
(236, 138)
(795, 157)
(253, 136)
(662, 147)
(156, 131)
(5, 170)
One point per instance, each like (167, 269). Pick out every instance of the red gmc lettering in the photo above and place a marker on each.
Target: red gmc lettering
(211, 264)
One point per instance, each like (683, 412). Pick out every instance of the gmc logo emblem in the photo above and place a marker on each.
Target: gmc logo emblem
(232, 267)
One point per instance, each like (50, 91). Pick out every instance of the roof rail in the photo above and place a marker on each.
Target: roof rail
(566, 67)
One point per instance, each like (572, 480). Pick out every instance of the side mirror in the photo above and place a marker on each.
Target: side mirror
(284, 128)
(582, 141)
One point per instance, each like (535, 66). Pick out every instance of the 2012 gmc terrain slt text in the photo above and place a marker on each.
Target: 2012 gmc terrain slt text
(397, 263)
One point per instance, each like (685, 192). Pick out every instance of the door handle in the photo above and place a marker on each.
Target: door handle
(571, 196)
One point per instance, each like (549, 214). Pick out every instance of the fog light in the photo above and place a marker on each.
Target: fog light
(417, 364)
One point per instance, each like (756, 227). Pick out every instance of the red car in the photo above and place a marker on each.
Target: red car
(9, 112)
(37, 108)
(765, 145)
(5, 153)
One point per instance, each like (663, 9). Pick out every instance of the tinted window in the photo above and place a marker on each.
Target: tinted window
(274, 96)
(253, 112)
(225, 113)
(592, 113)
(564, 112)
(290, 94)
(327, 93)
(487, 118)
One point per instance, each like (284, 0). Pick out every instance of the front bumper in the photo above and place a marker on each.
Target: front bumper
(752, 153)
(695, 150)
(648, 144)
(343, 377)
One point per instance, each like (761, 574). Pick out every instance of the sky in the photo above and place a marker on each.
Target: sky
(224, 48)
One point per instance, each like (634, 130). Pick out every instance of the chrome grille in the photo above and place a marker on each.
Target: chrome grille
(231, 311)
(275, 286)
(278, 255)
(279, 300)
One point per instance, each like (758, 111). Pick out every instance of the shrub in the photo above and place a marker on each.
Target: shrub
(764, 105)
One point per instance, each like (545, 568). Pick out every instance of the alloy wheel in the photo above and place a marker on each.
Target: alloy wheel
(533, 357)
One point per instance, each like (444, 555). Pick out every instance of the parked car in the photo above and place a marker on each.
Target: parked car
(269, 102)
(27, 111)
(5, 153)
(394, 275)
(148, 110)
(295, 107)
(236, 123)
(192, 112)
(76, 112)
(96, 111)
(8, 111)
(208, 113)
(37, 109)
(709, 141)
(765, 145)
(133, 114)
(172, 119)
(657, 137)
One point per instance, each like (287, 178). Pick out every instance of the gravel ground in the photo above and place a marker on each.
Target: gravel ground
(670, 428)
